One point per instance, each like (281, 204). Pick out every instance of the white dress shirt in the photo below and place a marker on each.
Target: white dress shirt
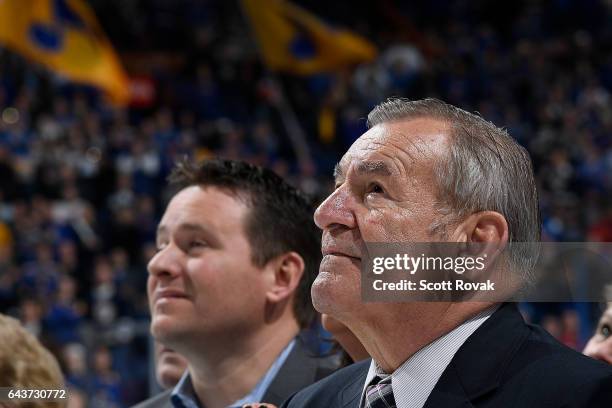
(414, 380)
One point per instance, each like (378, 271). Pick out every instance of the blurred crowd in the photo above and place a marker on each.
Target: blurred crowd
(82, 182)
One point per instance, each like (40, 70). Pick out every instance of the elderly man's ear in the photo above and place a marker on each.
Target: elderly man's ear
(283, 275)
(484, 226)
(485, 234)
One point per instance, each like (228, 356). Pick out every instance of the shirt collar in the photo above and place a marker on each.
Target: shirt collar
(414, 380)
(257, 394)
(183, 395)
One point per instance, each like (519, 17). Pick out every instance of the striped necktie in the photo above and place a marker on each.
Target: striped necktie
(379, 393)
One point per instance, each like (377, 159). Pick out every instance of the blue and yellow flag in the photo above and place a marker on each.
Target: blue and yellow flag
(65, 36)
(293, 40)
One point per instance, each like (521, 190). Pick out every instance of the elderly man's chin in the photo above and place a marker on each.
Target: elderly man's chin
(336, 287)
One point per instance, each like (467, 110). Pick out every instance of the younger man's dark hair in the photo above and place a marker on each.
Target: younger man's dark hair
(280, 220)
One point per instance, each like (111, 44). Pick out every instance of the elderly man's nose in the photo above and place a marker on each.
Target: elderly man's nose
(335, 210)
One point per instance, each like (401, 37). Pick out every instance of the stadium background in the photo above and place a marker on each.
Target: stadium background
(83, 181)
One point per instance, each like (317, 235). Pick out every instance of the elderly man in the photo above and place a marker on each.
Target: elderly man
(426, 171)
(229, 286)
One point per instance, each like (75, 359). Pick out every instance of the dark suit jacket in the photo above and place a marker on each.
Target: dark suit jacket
(505, 363)
(301, 368)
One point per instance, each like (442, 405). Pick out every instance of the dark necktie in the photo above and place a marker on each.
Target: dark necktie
(379, 393)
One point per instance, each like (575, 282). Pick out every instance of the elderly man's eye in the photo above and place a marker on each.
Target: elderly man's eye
(606, 330)
(375, 188)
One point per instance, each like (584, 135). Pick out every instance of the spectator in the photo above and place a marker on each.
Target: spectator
(396, 184)
(65, 314)
(347, 340)
(526, 66)
(169, 366)
(26, 364)
(600, 345)
(237, 252)
(105, 386)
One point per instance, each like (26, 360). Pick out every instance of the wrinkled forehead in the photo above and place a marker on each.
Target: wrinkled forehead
(398, 147)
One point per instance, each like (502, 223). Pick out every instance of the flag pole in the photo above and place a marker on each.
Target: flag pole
(296, 133)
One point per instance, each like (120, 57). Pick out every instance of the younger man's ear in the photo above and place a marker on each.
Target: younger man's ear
(284, 276)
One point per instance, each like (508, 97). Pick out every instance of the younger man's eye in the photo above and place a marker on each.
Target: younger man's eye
(197, 244)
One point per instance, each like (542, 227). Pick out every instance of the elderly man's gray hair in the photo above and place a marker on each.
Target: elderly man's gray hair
(486, 170)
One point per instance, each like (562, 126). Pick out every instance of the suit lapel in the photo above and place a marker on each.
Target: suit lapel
(349, 396)
(298, 371)
(443, 400)
(477, 367)
(448, 392)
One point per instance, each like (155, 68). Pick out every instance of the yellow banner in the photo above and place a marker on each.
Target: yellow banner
(293, 40)
(65, 36)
